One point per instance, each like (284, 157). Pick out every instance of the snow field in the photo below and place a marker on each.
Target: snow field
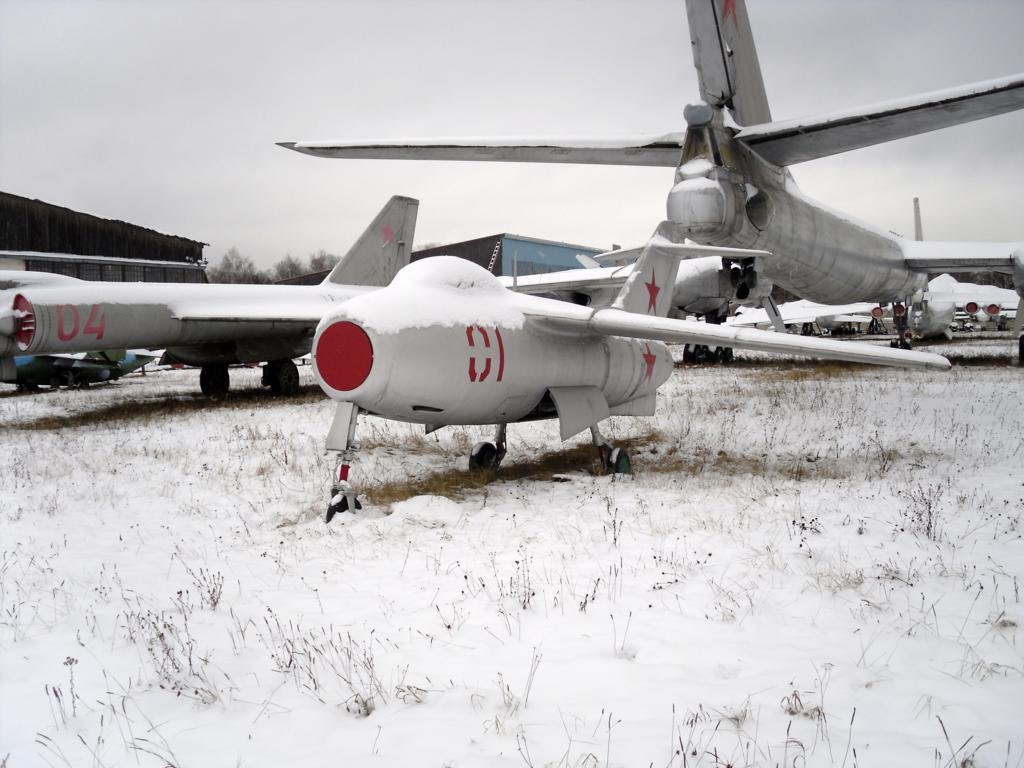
(812, 565)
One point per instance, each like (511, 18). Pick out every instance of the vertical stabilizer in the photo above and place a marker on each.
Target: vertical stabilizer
(650, 286)
(382, 249)
(726, 59)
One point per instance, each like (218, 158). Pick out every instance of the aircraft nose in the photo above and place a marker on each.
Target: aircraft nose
(343, 356)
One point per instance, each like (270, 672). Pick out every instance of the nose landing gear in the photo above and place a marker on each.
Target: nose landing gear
(341, 440)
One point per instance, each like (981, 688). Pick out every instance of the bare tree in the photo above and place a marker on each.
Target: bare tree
(233, 267)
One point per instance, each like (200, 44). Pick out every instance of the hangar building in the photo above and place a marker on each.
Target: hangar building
(42, 237)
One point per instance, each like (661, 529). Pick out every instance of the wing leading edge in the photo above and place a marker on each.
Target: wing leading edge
(659, 151)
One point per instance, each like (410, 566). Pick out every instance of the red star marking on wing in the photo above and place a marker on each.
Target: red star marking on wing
(389, 234)
(652, 293)
(729, 9)
(649, 360)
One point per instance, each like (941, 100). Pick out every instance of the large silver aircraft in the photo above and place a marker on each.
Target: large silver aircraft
(446, 343)
(732, 184)
(211, 326)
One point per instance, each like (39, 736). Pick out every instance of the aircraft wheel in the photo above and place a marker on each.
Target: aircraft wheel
(284, 378)
(214, 380)
(339, 503)
(483, 456)
(618, 462)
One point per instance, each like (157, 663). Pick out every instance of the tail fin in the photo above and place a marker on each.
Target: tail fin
(382, 249)
(651, 285)
(726, 59)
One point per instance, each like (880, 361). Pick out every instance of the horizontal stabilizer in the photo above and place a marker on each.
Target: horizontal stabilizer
(661, 151)
(795, 141)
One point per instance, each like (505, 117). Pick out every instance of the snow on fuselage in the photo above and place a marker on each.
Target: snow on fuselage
(446, 343)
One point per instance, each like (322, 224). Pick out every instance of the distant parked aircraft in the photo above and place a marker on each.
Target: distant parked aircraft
(71, 370)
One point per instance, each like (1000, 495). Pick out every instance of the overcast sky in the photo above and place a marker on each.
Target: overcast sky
(165, 114)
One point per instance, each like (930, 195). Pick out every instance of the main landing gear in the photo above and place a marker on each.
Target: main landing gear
(214, 380)
(282, 377)
(488, 456)
(614, 460)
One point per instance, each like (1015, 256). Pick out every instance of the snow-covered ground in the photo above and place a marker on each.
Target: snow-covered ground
(812, 565)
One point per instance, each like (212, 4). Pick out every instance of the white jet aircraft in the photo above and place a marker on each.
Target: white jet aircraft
(446, 343)
(732, 184)
(200, 324)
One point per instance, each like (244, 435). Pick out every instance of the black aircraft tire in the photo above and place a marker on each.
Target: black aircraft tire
(214, 380)
(284, 378)
(340, 506)
(618, 462)
(483, 456)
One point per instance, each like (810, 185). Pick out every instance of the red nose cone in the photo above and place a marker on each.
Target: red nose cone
(877, 312)
(25, 325)
(972, 307)
(344, 356)
(992, 310)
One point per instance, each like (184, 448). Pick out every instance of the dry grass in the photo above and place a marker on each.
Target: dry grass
(456, 483)
(162, 407)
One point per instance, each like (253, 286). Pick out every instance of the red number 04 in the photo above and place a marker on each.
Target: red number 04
(69, 322)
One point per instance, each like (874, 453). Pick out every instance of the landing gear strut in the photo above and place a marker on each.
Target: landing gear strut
(614, 460)
(214, 380)
(488, 456)
(282, 377)
(341, 440)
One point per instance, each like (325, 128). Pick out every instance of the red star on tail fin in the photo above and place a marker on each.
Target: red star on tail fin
(652, 293)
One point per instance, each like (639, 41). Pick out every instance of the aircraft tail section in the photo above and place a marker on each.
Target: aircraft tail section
(726, 59)
(650, 286)
(381, 250)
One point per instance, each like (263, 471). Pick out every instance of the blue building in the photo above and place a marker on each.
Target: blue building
(514, 254)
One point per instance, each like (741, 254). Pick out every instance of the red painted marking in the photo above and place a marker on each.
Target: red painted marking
(649, 360)
(389, 234)
(344, 356)
(64, 333)
(481, 376)
(24, 326)
(343, 473)
(484, 374)
(729, 9)
(501, 354)
(652, 292)
(96, 324)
